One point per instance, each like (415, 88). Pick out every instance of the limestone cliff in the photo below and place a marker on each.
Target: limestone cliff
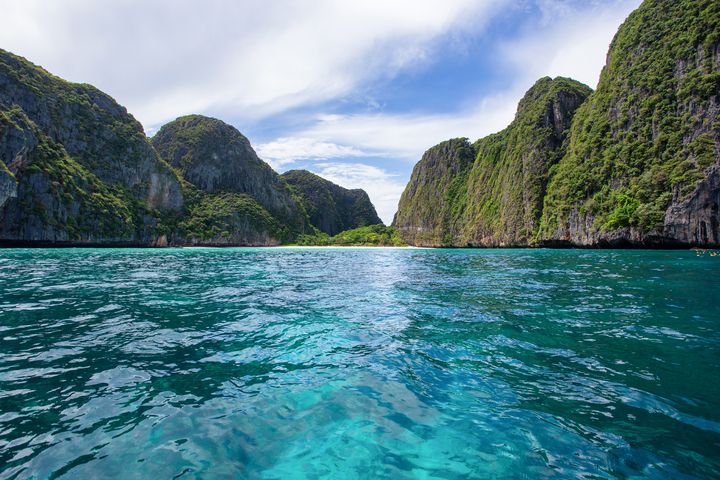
(429, 209)
(330, 207)
(491, 193)
(8, 185)
(84, 169)
(643, 158)
(635, 163)
(233, 197)
(77, 169)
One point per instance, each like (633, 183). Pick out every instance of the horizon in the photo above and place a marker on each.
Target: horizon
(354, 93)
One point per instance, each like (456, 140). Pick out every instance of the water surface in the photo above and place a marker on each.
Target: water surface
(359, 363)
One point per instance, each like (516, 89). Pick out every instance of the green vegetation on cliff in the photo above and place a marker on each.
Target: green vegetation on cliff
(76, 168)
(649, 133)
(232, 197)
(59, 194)
(84, 169)
(368, 236)
(229, 218)
(635, 162)
(434, 198)
(330, 207)
(491, 192)
(91, 208)
(507, 183)
(215, 157)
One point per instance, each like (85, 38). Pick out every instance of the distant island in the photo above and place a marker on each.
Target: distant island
(635, 163)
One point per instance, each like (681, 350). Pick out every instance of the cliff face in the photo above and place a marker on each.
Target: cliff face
(507, 183)
(490, 193)
(78, 169)
(330, 207)
(83, 168)
(637, 163)
(643, 160)
(428, 213)
(233, 196)
(8, 186)
(216, 157)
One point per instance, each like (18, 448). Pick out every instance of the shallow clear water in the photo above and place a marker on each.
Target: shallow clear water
(359, 363)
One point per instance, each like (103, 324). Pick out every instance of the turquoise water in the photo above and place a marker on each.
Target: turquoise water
(359, 363)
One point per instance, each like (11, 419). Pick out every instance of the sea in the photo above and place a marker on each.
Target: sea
(359, 363)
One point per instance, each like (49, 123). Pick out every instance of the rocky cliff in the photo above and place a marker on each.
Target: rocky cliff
(490, 193)
(77, 169)
(429, 209)
(8, 185)
(233, 196)
(643, 158)
(330, 207)
(636, 163)
(80, 167)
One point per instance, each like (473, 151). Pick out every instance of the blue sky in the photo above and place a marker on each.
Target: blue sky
(352, 90)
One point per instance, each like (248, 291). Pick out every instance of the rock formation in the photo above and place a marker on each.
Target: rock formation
(84, 169)
(635, 163)
(233, 196)
(490, 193)
(644, 153)
(330, 207)
(77, 169)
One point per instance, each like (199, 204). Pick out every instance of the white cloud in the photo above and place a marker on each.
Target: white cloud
(283, 151)
(252, 58)
(407, 136)
(383, 187)
(400, 136)
(572, 43)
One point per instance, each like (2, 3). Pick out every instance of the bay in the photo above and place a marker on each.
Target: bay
(359, 363)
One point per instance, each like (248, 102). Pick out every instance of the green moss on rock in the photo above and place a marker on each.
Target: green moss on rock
(330, 207)
(85, 170)
(649, 134)
(490, 193)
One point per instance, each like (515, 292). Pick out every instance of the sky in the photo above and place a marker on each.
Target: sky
(352, 90)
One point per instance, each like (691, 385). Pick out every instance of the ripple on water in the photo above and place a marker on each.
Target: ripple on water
(359, 363)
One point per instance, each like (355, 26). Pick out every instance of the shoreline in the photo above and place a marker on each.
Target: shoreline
(11, 245)
(350, 246)
(37, 244)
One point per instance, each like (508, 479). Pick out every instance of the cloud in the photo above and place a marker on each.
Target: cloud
(283, 151)
(252, 58)
(394, 136)
(568, 41)
(407, 136)
(571, 41)
(384, 188)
